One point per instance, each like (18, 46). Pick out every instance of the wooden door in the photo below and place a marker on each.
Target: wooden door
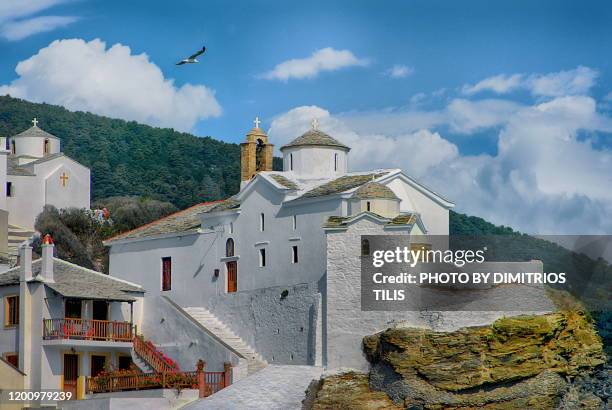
(232, 276)
(71, 373)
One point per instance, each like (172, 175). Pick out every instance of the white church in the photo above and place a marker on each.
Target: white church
(33, 173)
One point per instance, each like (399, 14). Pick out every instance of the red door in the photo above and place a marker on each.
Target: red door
(232, 276)
(71, 373)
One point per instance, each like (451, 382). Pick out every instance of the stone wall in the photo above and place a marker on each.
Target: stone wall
(280, 322)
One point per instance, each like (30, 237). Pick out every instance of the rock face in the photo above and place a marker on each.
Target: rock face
(517, 362)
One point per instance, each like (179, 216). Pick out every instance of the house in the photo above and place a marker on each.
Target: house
(33, 173)
(252, 270)
(63, 323)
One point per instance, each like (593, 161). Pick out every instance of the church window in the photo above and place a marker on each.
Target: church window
(259, 152)
(166, 273)
(335, 162)
(291, 162)
(9, 189)
(11, 310)
(231, 228)
(368, 206)
(294, 222)
(229, 247)
(294, 254)
(262, 258)
(13, 147)
(365, 247)
(46, 147)
(262, 222)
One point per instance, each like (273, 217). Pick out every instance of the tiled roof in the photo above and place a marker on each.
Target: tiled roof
(187, 220)
(73, 281)
(286, 182)
(12, 168)
(374, 190)
(342, 184)
(47, 158)
(35, 132)
(315, 137)
(340, 221)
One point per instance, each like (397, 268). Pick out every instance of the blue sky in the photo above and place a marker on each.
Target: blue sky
(469, 74)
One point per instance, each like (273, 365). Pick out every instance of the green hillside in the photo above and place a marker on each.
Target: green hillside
(127, 158)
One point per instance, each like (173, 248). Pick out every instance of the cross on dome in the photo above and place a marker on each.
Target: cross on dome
(35, 122)
(314, 124)
(256, 122)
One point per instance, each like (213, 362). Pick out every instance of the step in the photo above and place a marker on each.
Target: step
(254, 361)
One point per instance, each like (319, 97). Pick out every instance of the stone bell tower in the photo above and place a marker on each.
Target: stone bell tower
(255, 154)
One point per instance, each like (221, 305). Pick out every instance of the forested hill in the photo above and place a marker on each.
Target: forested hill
(127, 158)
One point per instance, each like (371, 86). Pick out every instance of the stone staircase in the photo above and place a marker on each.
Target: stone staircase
(16, 236)
(215, 326)
(141, 363)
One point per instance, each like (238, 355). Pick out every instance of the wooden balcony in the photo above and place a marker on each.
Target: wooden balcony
(86, 329)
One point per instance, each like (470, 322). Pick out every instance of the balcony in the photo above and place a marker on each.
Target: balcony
(87, 329)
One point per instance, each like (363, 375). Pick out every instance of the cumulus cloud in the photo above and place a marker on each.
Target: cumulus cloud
(326, 59)
(399, 71)
(87, 76)
(17, 21)
(543, 179)
(571, 82)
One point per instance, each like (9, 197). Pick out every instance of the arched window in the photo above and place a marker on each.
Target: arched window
(335, 162)
(46, 147)
(259, 153)
(262, 222)
(291, 162)
(229, 247)
(365, 247)
(13, 148)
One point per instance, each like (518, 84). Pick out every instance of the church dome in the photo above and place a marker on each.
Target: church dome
(374, 190)
(314, 137)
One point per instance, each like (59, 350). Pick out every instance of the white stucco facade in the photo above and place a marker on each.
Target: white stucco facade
(36, 173)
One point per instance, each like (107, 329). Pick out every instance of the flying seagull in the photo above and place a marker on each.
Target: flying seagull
(192, 58)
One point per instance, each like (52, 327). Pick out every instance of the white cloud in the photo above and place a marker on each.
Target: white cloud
(326, 59)
(571, 82)
(543, 178)
(87, 76)
(17, 21)
(17, 30)
(399, 71)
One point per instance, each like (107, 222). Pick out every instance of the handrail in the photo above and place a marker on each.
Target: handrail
(151, 355)
(87, 329)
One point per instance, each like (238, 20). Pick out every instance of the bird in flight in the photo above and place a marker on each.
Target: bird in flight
(192, 58)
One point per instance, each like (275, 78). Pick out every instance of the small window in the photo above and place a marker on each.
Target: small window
(294, 254)
(46, 147)
(368, 206)
(335, 162)
(11, 310)
(166, 273)
(13, 359)
(13, 148)
(9, 189)
(231, 228)
(294, 222)
(262, 258)
(291, 162)
(365, 247)
(229, 247)
(262, 222)
(73, 309)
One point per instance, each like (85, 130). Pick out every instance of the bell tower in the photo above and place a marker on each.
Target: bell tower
(255, 153)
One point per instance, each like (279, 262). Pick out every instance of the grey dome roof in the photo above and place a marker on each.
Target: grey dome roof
(35, 132)
(315, 138)
(374, 190)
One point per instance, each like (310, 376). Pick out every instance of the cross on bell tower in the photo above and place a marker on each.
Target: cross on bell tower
(35, 122)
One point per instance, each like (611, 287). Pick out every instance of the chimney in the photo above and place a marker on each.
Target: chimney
(25, 262)
(46, 269)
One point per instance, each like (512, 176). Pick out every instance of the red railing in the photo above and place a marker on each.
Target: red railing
(152, 356)
(212, 382)
(87, 329)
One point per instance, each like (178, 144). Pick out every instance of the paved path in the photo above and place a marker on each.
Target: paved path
(275, 387)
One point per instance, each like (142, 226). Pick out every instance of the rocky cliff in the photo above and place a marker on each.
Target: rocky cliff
(517, 362)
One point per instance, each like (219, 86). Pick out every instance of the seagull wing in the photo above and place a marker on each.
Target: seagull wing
(195, 55)
(181, 62)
